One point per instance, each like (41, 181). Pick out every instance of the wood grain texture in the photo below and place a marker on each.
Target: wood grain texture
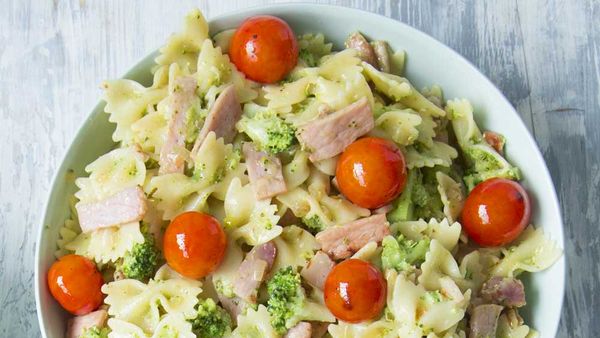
(544, 55)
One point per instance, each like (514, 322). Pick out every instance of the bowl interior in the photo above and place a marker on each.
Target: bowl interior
(429, 62)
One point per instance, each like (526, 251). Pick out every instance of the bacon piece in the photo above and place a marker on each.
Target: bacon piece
(365, 51)
(172, 158)
(265, 173)
(315, 273)
(328, 136)
(223, 115)
(77, 325)
(342, 241)
(129, 205)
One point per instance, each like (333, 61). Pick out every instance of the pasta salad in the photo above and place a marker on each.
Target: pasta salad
(265, 185)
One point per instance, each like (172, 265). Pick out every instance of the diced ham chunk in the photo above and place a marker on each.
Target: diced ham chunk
(328, 136)
(265, 173)
(250, 274)
(223, 115)
(365, 51)
(342, 241)
(172, 154)
(266, 252)
(253, 270)
(315, 273)
(126, 206)
(382, 54)
(384, 209)
(77, 325)
(508, 292)
(495, 140)
(319, 329)
(301, 330)
(484, 321)
(234, 306)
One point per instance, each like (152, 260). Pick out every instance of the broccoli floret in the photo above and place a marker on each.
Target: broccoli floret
(95, 332)
(287, 303)
(511, 173)
(428, 203)
(485, 164)
(194, 119)
(268, 131)
(420, 198)
(404, 205)
(482, 160)
(401, 253)
(141, 262)
(211, 320)
(313, 223)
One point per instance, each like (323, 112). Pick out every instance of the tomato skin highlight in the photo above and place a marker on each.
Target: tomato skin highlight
(75, 283)
(264, 48)
(496, 212)
(355, 291)
(194, 244)
(371, 172)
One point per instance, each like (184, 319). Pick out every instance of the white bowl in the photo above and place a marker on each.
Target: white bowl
(429, 62)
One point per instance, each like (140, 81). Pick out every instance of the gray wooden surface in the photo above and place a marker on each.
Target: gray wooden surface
(544, 55)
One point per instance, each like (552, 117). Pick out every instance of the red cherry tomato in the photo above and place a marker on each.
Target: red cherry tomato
(496, 212)
(75, 283)
(355, 291)
(371, 172)
(194, 244)
(264, 48)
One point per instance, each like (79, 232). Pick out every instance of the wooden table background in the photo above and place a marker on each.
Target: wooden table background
(544, 55)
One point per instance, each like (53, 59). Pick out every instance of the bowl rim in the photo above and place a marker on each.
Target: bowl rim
(290, 6)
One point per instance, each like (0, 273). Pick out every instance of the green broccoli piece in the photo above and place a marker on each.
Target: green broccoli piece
(482, 160)
(432, 297)
(313, 223)
(95, 332)
(211, 320)
(427, 199)
(404, 205)
(142, 261)
(287, 303)
(485, 164)
(511, 173)
(194, 119)
(268, 131)
(401, 253)
(419, 199)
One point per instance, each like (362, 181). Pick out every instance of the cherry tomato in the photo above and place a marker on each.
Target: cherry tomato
(75, 283)
(264, 48)
(194, 244)
(355, 291)
(496, 212)
(371, 172)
